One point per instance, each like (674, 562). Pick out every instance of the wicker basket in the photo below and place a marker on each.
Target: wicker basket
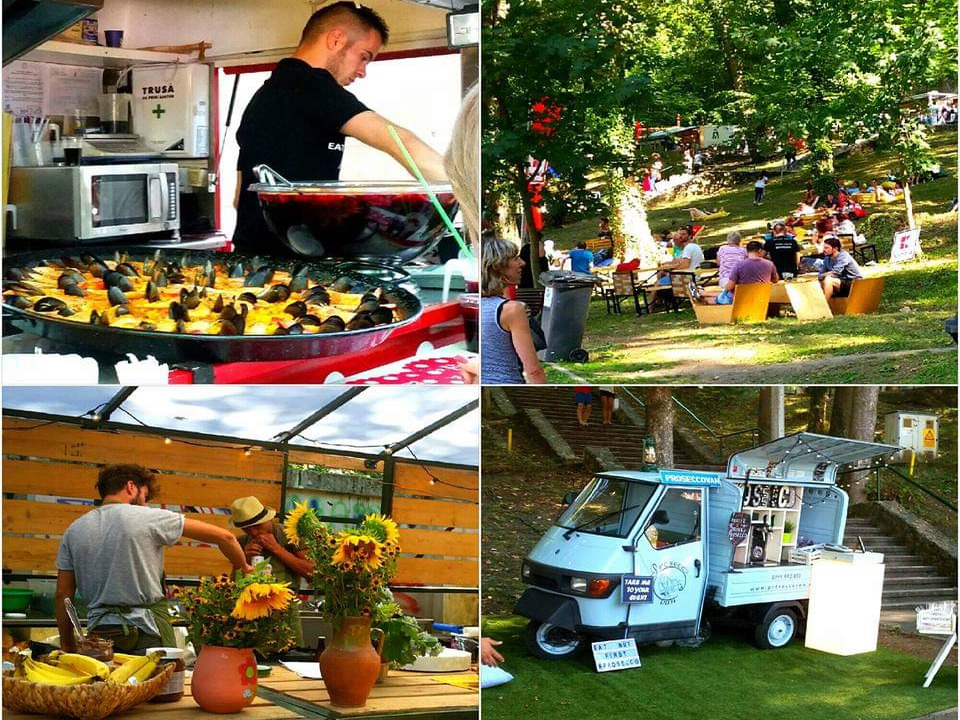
(85, 702)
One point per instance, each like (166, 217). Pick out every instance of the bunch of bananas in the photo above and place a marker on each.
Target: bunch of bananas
(63, 668)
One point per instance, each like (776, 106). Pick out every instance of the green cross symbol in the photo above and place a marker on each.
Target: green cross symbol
(158, 111)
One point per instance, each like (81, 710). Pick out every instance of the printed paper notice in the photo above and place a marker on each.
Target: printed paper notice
(23, 88)
(72, 88)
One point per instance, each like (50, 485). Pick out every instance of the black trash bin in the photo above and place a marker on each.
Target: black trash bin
(566, 299)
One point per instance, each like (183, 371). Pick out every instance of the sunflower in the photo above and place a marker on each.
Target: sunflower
(300, 521)
(260, 599)
(381, 527)
(359, 551)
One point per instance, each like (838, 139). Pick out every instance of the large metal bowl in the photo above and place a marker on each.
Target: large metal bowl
(393, 222)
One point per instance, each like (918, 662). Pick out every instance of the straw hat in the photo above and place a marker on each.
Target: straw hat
(247, 511)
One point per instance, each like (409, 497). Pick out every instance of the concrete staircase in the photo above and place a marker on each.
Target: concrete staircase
(624, 438)
(908, 581)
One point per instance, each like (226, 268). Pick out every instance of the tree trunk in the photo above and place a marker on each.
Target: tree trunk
(659, 421)
(908, 202)
(857, 420)
(771, 412)
(817, 412)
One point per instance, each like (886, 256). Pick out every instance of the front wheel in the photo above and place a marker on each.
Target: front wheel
(776, 630)
(552, 642)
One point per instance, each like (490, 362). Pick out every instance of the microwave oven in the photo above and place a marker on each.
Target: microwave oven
(95, 202)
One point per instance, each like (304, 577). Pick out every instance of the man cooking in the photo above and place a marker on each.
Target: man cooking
(264, 537)
(297, 121)
(114, 556)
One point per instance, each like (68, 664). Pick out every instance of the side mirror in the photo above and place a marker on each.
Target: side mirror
(569, 498)
(660, 517)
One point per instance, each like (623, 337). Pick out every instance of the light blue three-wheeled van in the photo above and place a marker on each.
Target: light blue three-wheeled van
(654, 555)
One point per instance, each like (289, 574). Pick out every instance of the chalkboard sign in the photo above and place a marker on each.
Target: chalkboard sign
(635, 589)
(739, 528)
(615, 654)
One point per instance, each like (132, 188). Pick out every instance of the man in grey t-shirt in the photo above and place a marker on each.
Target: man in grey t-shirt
(114, 556)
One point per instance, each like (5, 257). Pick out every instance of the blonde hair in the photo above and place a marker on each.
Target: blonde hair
(496, 253)
(462, 161)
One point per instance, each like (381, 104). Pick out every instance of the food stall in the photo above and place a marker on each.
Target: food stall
(653, 555)
(206, 454)
(125, 154)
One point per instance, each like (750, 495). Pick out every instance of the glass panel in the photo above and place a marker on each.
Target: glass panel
(676, 520)
(608, 507)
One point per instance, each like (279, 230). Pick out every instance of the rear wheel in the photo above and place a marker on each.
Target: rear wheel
(552, 642)
(777, 630)
(579, 355)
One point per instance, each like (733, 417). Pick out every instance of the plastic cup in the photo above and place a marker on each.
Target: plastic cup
(113, 38)
(72, 151)
(470, 309)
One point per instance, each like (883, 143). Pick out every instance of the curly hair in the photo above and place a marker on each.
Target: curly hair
(113, 478)
(495, 255)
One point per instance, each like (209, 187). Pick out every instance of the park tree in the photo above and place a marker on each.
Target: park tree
(854, 416)
(659, 417)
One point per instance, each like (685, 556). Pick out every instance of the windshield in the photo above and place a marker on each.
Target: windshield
(607, 507)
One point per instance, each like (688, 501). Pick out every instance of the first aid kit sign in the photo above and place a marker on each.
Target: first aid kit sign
(615, 655)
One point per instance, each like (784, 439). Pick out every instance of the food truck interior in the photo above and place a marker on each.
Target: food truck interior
(119, 141)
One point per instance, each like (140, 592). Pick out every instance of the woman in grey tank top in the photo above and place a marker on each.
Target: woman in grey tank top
(507, 348)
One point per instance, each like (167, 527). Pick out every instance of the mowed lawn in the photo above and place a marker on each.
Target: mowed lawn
(726, 678)
(881, 348)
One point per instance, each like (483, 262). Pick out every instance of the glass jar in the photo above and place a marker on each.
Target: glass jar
(173, 690)
(99, 648)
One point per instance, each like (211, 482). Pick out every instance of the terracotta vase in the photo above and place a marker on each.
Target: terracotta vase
(384, 672)
(224, 679)
(350, 664)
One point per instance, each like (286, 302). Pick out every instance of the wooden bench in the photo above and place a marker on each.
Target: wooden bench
(594, 244)
(750, 302)
(864, 298)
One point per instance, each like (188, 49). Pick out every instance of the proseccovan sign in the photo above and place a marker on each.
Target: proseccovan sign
(690, 478)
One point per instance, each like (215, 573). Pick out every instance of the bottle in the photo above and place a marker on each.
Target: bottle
(173, 690)
(257, 559)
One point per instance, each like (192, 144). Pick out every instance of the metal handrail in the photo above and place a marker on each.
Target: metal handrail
(754, 431)
(914, 483)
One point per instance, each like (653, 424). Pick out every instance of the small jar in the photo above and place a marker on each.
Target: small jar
(173, 690)
(96, 647)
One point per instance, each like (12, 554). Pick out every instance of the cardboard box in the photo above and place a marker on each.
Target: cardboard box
(84, 31)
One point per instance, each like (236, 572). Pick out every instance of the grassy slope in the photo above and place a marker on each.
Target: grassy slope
(724, 679)
(917, 299)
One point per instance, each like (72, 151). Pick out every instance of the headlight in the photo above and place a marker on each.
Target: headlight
(578, 584)
(597, 587)
(525, 570)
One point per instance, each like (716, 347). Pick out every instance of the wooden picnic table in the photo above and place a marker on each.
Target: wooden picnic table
(186, 709)
(402, 693)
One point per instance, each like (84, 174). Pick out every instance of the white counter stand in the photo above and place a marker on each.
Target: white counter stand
(844, 615)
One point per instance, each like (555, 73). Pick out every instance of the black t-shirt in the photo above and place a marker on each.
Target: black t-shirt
(292, 124)
(783, 252)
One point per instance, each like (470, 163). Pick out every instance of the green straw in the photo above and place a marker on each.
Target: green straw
(433, 198)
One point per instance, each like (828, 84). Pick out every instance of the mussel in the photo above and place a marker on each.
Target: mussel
(23, 286)
(116, 297)
(299, 280)
(151, 292)
(112, 278)
(97, 267)
(74, 290)
(344, 284)
(159, 277)
(259, 277)
(49, 304)
(178, 312)
(15, 273)
(218, 304)
(368, 306)
(66, 311)
(189, 298)
(121, 310)
(361, 321)
(382, 315)
(275, 293)
(248, 297)
(312, 321)
(332, 324)
(317, 295)
(230, 327)
(69, 278)
(295, 329)
(19, 301)
(127, 269)
(236, 270)
(296, 309)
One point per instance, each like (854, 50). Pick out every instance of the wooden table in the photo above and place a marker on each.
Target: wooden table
(402, 693)
(186, 709)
